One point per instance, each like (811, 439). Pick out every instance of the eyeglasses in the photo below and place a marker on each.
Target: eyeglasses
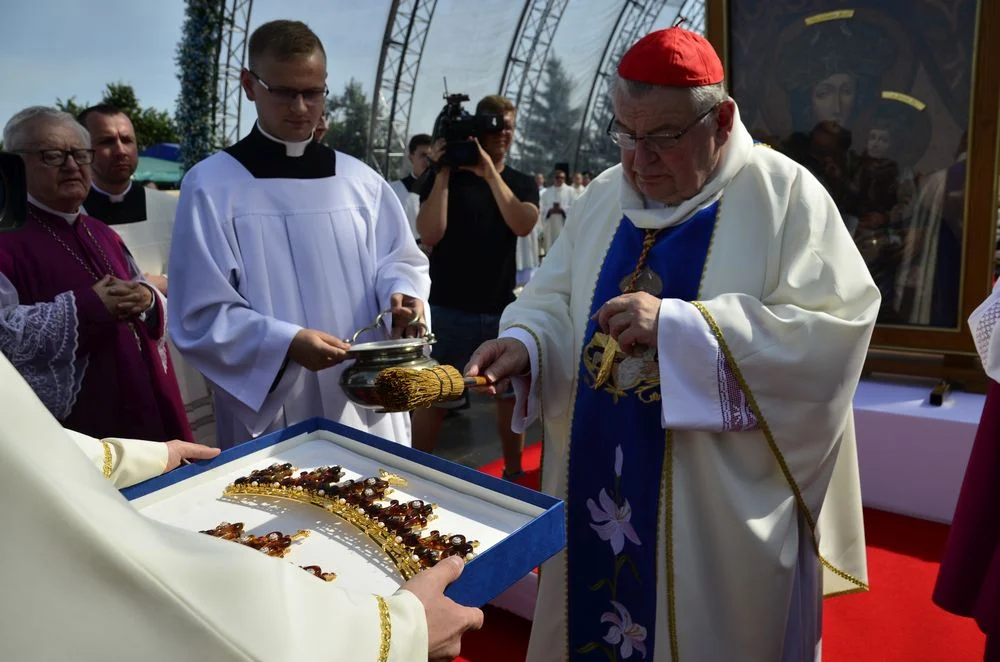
(659, 142)
(289, 96)
(57, 157)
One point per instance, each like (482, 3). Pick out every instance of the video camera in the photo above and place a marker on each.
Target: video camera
(13, 192)
(458, 128)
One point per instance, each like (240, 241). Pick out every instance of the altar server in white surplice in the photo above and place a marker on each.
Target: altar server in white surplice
(554, 205)
(693, 343)
(88, 578)
(281, 250)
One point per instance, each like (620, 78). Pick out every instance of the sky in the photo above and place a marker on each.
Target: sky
(56, 49)
(72, 48)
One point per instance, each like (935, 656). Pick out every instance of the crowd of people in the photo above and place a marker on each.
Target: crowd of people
(689, 326)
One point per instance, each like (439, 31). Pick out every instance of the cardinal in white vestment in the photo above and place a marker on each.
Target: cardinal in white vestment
(89, 579)
(282, 250)
(693, 343)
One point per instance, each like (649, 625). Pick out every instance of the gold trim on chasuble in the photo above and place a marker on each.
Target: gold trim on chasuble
(629, 374)
(667, 503)
(106, 469)
(772, 444)
(385, 628)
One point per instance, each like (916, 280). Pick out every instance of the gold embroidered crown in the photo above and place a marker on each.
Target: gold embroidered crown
(396, 527)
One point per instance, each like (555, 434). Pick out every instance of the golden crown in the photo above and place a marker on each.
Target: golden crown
(397, 528)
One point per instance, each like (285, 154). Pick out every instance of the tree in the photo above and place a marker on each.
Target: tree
(598, 153)
(151, 125)
(550, 129)
(71, 106)
(349, 120)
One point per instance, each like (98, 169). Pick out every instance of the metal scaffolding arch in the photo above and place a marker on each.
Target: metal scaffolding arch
(635, 20)
(529, 51)
(398, 65)
(233, 33)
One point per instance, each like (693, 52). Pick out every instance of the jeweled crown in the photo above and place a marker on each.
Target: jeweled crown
(398, 528)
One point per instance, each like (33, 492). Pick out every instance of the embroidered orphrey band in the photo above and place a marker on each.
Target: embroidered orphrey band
(668, 505)
(385, 625)
(107, 459)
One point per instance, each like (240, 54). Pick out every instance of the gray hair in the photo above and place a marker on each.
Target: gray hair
(15, 134)
(702, 98)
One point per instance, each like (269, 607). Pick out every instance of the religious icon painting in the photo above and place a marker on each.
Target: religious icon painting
(878, 100)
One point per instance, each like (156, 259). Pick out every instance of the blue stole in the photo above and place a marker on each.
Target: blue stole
(617, 458)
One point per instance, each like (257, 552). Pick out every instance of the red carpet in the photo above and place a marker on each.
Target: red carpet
(894, 622)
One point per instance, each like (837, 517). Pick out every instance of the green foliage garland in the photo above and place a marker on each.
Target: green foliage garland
(197, 60)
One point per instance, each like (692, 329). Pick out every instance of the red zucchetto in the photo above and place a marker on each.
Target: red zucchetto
(674, 58)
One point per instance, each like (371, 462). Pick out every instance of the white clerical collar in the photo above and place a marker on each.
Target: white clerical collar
(69, 218)
(650, 215)
(291, 149)
(114, 197)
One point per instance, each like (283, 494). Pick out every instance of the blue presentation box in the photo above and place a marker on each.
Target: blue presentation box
(518, 528)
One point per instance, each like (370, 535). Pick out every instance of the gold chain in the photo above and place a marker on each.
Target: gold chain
(385, 625)
(75, 254)
(83, 263)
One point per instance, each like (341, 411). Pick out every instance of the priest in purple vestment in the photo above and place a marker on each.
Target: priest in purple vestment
(969, 580)
(76, 317)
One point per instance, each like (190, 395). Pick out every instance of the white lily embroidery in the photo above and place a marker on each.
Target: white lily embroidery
(631, 636)
(611, 521)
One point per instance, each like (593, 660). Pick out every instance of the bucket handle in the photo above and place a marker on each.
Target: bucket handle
(416, 321)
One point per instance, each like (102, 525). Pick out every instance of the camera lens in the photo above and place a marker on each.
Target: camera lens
(3, 198)
(13, 192)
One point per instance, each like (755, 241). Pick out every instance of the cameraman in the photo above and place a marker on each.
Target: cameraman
(471, 217)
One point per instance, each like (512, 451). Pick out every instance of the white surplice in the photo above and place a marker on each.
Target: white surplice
(149, 241)
(552, 225)
(88, 578)
(983, 326)
(256, 260)
(756, 382)
(410, 202)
